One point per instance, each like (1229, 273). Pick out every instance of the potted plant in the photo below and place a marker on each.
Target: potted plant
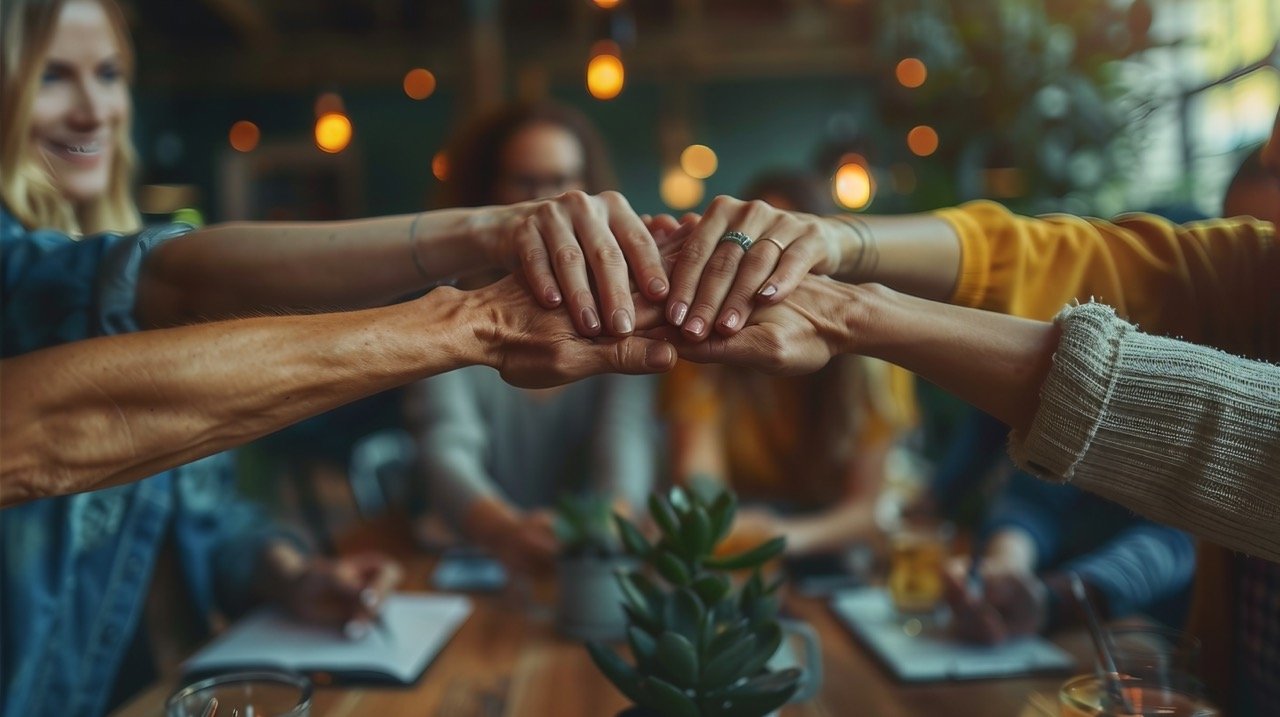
(701, 648)
(590, 599)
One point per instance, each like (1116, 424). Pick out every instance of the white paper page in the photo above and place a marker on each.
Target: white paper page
(418, 627)
(934, 656)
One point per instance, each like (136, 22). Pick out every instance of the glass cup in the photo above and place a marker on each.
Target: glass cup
(1158, 673)
(246, 694)
(916, 557)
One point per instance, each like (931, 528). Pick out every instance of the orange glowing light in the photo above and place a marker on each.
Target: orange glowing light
(607, 4)
(699, 161)
(244, 136)
(853, 186)
(680, 191)
(911, 72)
(605, 76)
(440, 166)
(333, 132)
(419, 83)
(922, 140)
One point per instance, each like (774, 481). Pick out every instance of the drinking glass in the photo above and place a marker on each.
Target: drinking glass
(246, 694)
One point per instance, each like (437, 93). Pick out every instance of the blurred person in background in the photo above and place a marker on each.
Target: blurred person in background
(87, 573)
(497, 457)
(809, 454)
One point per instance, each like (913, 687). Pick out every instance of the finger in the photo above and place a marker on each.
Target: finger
(570, 266)
(722, 269)
(695, 254)
(795, 264)
(648, 314)
(535, 262)
(716, 349)
(661, 226)
(758, 264)
(607, 261)
(638, 245)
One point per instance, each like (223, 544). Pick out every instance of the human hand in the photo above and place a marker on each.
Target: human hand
(524, 541)
(534, 347)
(1012, 601)
(717, 283)
(797, 336)
(344, 591)
(563, 243)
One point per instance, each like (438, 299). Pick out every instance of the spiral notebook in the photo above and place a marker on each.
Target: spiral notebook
(931, 655)
(416, 627)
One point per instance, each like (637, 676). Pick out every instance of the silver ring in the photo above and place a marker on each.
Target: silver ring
(774, 242)
(738, 238)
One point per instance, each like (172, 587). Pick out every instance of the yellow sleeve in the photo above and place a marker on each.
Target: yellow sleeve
(899, 413)
(1208, 282)
(689, 393)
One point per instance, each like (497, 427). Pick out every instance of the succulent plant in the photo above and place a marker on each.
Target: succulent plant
(584, 528)
(701, 647)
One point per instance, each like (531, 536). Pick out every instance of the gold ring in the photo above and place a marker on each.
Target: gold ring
(774, 242)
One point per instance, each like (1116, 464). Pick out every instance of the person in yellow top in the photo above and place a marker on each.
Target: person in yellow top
(810, 452)
(1178, 432)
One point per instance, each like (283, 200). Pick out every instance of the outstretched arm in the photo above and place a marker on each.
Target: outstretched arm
(96, 413)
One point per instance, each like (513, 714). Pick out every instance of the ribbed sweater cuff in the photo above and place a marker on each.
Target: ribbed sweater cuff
(1076, 395)
(975, 254)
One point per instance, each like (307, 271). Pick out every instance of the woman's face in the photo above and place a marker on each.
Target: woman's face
(81, 103)
(541, 160)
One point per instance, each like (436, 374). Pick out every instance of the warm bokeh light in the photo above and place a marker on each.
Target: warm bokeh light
(329, 103)
(680, 191)
(853, 186)
(440, 165)
(699, 161)
(244, 136)
(419, 83)
(911, 72)
(605, 76)
(607, 4)
(922, 140)
(333, 132)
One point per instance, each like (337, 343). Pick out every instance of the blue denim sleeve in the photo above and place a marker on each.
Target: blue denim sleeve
(220, 535)
(1139, 567)
(57, 289)
(1035, 507)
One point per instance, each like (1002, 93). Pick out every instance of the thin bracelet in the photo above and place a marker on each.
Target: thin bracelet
(413, 249)
(868, 251)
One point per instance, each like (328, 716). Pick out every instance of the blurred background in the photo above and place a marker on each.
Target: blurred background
(342, 108)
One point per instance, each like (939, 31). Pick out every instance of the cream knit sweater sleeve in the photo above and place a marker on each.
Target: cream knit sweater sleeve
(1180, 433)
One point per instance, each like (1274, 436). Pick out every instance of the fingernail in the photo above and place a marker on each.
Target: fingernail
(730, 320)
(696, 326)
(659, 355)
(657, 287)
(590, 320)
(553, 296)
(678, 311)
(622, 321)
(768, 291)
(368, 597)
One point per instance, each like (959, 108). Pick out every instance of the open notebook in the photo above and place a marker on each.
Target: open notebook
(418, 626)
(931, 656)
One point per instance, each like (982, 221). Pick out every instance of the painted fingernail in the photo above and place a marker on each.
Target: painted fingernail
(678, 311)
(768, 291)
(657, 287)
(622, 321)
(730, 320)
(553, 296)
(659, 355)
(696, 325)
(590, 320)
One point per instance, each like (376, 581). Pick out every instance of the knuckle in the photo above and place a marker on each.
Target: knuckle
(609, 256)
(723, 264)
(758, 206)
(534, 256)
(614, 198)
(576, 199)
(722, 203)
(568, 256)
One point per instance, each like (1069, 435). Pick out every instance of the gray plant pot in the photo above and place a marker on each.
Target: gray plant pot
(590, 603)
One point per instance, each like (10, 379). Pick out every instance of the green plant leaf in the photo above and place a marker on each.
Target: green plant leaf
(764, 610)
(679, 500)
(671, 567)
(705, 490)
(664, 516)
(726, 666)
(684, 613)
(676, 659)
(768, 640)
(643, 646)
(711, 588)
(727, 637)
(622, 675)
(643, 620)
(722, 513)
(755, 557)
(696, 533)
(632, 538)
(666, 699)
(760, 695)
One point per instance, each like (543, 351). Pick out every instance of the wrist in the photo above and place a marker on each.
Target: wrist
(855, 253)
(488, 227)
(868, 309)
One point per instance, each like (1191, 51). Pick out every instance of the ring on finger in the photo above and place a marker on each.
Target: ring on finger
(738, 238)
(772, 241)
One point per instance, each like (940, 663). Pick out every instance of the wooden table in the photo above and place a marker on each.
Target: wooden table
(505, 662)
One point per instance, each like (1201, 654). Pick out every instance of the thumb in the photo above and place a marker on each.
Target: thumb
(636, 355)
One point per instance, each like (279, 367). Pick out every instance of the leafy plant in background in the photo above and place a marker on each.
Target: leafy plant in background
(585, 528)
(701, 647)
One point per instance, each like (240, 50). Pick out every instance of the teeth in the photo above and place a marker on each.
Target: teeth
(93, 148)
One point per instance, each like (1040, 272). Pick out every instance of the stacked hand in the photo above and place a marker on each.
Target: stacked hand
(346, 591)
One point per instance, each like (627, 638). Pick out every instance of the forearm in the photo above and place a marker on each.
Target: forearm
(91, 414)
(242, 268)
(917, 254)
(993, 361)
(837, 527)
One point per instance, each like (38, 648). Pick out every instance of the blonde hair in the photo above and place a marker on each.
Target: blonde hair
(25, 186)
